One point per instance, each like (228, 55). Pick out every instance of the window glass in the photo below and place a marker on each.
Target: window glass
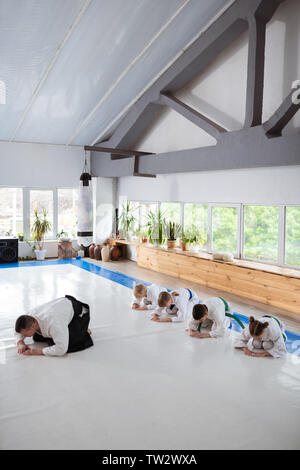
(195, 222)
(11, 211)
(67, 211)
(41, 200)
(261, 233)
(145, 208)
(292, 236)
(224, 229)
(171, 211)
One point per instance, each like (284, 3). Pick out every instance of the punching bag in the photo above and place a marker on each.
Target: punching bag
(85, 209)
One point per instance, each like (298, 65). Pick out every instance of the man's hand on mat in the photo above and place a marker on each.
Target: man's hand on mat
(33, 352)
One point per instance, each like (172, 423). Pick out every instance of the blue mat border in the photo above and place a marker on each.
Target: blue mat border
(128, 281)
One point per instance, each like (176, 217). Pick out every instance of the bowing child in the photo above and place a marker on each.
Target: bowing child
(266, 334)
(210, 315)
(146, 297)
(175, 306)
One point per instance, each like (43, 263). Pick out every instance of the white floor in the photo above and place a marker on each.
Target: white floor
(142, 385)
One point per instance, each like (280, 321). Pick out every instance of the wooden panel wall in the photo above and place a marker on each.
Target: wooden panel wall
(269, 288)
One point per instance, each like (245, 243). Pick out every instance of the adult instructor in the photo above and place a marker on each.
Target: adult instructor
(62, 322)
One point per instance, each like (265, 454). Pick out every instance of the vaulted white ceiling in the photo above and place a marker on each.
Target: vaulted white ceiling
(71, 69)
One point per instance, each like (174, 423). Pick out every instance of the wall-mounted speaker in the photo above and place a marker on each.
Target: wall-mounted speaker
(9, 250)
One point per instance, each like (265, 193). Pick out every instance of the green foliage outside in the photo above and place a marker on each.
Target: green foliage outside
(224, 229)
(261, 233)
(195, 223)
(260, 229)
(292, 236)
(171, 211)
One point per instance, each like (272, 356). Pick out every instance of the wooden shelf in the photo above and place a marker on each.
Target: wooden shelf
(272, 285)
(119, 241)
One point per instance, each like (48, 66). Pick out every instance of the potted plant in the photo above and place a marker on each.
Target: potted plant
(63, 236)
(20, 236)
(186, 239)
(156, 223)
(39, 229)
(127, 219)
(196, 239)
(142, 236)
(173, 231)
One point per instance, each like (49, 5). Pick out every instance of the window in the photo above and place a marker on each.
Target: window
(196, 222)
(42, 200)
(144, 209)
(225, 229)
(11, 211)
(261, 233)
(292, 236)
(171, 211)
(134, 214)
(67, 211)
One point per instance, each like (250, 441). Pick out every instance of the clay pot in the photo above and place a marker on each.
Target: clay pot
(105, 253)
(97, 252)
(144, 239)
(184, 246)
(114, 253)
(91, 251)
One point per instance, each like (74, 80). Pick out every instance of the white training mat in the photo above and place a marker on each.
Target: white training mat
(143, 385)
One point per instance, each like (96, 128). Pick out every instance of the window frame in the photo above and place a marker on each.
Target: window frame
(16, 187)
(284, 238)
(240, 227)
(237, 254)
(55, 211)
(26, 208)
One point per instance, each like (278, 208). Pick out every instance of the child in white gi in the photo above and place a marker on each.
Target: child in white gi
(176, 305)
(62, 323)
(266, 333)
(210, 314)
(145, 297)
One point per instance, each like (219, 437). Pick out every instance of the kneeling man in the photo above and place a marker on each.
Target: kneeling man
(63, 323)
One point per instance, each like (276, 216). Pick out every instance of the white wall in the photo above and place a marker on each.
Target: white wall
(277, 185)
(40, 165)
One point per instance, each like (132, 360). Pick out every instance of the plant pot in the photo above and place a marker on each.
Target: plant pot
(171, 244)
(185, 246)
(144, 239)
(97, 252)
(105, 253)
(40, 254)
(114, 253)
(91, 251)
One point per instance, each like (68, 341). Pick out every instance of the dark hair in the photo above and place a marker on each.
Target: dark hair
(199, 310)
(163, 299)
(256, 328)
(24, 322)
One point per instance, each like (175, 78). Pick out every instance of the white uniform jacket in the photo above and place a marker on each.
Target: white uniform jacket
(53, 319)
(272, 340)
(150, 301)
(182, 305)
(217, 320)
